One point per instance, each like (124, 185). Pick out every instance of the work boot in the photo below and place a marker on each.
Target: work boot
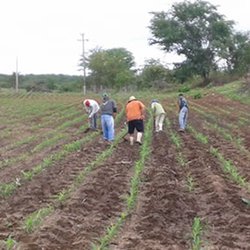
(131, 140)
(139, 137)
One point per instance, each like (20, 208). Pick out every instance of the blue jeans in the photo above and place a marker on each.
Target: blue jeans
(108, 128)
(183, 117)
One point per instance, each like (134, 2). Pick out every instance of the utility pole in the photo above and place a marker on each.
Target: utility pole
(16, 74)
(84, 63)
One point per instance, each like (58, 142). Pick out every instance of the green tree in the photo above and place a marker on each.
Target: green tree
(111, 68)
(154, 74)
(194, 30)
(238, 54)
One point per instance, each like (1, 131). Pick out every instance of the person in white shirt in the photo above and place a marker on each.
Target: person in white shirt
(159, 114)
(92, 107)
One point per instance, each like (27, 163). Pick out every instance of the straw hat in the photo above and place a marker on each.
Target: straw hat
(131, 98)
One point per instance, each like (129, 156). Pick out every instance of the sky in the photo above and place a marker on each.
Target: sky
(44, 36)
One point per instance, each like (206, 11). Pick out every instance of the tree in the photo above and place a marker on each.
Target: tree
(111, 68)
(195, 30)
(238, 54)
(154, 74)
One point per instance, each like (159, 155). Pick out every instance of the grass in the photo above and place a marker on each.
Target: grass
(233, 91)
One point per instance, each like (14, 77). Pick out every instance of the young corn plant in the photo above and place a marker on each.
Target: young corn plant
(180, 159)
(10, 243)
(190, 183)
(237, 141)
(62, 196)
(7, 189)
(174, 137)
(199, 136)
(196, 234)
(35, 219)
(28, 175)
(230, 169)
(111, 232)
(48, 142)
(134, 189)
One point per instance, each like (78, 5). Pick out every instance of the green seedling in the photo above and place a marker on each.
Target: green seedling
(35, 219)
(6, 189)
(190, 183)
(62, 196)
(10, 243)
(28, 175)
(196, 234)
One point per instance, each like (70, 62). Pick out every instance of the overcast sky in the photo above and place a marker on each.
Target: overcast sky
(44, 34)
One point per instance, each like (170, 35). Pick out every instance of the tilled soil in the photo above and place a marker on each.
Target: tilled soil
(91, 209)
(171, 194)
(165, 209)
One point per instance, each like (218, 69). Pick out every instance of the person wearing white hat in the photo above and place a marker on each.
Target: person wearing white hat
(159, 115)
(135, 114)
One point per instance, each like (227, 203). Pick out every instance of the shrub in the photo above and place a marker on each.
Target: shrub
(197, 95)
(184, 89)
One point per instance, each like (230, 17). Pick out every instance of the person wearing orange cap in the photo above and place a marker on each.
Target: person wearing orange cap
(92, 107)
(135, 113)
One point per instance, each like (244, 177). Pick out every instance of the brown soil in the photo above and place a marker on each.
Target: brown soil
(165, 209)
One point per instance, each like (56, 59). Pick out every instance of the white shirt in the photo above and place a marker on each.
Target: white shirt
(93, 107)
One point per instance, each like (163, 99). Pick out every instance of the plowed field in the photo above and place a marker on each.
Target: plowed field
(61, 188)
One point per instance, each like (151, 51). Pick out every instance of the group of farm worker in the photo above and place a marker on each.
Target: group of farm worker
(135, 115)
